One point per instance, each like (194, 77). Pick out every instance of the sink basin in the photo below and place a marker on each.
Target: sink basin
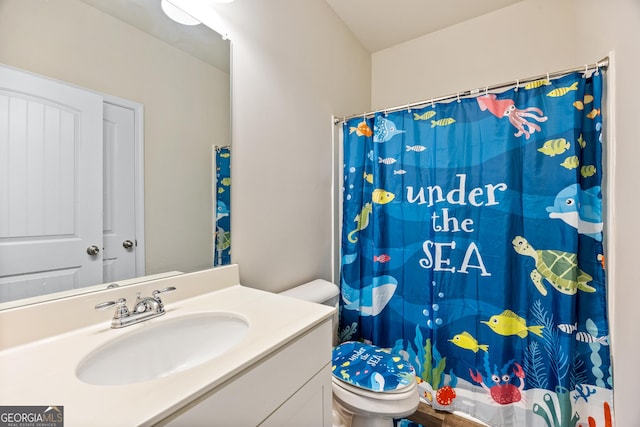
(162, 348)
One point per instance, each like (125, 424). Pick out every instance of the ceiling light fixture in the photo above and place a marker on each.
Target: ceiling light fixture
(177, 14)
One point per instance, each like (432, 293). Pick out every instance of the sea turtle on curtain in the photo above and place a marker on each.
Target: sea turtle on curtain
(557, 267)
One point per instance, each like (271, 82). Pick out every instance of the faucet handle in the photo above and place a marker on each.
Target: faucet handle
(107, 304)
(121, 308)
(162, 291)
(104, 305)
(156, 296)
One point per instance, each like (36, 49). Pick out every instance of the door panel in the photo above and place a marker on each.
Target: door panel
(50, 184)
(38, 184)
(119, 192)
(28, 285)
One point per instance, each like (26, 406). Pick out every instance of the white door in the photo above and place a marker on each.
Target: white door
(120, 244)
(50, 186)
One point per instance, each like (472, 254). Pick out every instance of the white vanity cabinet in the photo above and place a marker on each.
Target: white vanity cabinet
(277, 374)
(289, 387)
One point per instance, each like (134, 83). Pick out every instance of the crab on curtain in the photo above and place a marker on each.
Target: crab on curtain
(472, 245)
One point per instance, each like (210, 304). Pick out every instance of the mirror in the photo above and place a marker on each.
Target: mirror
(180, 75)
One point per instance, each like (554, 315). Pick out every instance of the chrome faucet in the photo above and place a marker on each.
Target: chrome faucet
(144, 308)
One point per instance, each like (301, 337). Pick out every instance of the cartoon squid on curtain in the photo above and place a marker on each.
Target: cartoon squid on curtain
(472, 246)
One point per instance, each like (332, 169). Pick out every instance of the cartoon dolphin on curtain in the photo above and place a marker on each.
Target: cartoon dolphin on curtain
(581, 209)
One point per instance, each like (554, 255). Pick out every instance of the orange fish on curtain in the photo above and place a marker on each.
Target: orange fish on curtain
(362, 129)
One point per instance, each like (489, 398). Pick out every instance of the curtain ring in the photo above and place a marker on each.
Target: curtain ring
(432, 104)
(408, 108)
(486, 91)
(597, 70)
(548, 81)
(517, 85)
(458, 96)
(586, 71)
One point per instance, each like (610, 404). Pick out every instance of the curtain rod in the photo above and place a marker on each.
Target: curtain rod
(603, 63)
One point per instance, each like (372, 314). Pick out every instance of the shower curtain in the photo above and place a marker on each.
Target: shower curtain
(472, 245)
(222, 197)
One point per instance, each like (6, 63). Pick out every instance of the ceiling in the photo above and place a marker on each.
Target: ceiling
(380, 24)
(146, 15)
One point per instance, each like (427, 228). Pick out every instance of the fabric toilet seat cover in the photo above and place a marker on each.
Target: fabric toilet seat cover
(370, 367)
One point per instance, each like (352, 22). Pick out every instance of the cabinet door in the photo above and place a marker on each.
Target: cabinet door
(270, 388)
(309, 407)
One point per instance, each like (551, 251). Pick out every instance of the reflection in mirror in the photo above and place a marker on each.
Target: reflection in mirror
(171, 81)
(222, 226)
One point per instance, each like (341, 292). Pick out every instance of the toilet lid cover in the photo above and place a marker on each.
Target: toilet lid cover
(370, 367)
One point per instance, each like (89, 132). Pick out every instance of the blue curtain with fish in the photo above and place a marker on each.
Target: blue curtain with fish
(472, 245)
(222, 220)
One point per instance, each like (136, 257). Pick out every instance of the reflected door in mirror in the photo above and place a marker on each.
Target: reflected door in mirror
(119, 193)
(51, 212)
(51, 187)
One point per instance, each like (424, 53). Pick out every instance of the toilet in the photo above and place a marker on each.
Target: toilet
(370, 386)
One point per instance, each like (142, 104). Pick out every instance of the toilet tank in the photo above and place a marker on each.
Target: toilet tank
(319, 291)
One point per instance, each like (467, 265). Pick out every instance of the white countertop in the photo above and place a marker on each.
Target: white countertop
(42, 371)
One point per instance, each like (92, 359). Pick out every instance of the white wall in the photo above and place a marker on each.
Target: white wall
(528, 39)
(184, 116)
(294, 64)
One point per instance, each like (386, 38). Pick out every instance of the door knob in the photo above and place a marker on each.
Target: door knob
(93, 250)
(127, 244)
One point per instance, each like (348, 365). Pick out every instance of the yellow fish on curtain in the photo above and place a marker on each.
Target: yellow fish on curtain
(472, 247)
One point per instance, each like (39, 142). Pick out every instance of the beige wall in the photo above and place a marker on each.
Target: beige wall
(186, 109)
(294, 65)
(528, 39)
